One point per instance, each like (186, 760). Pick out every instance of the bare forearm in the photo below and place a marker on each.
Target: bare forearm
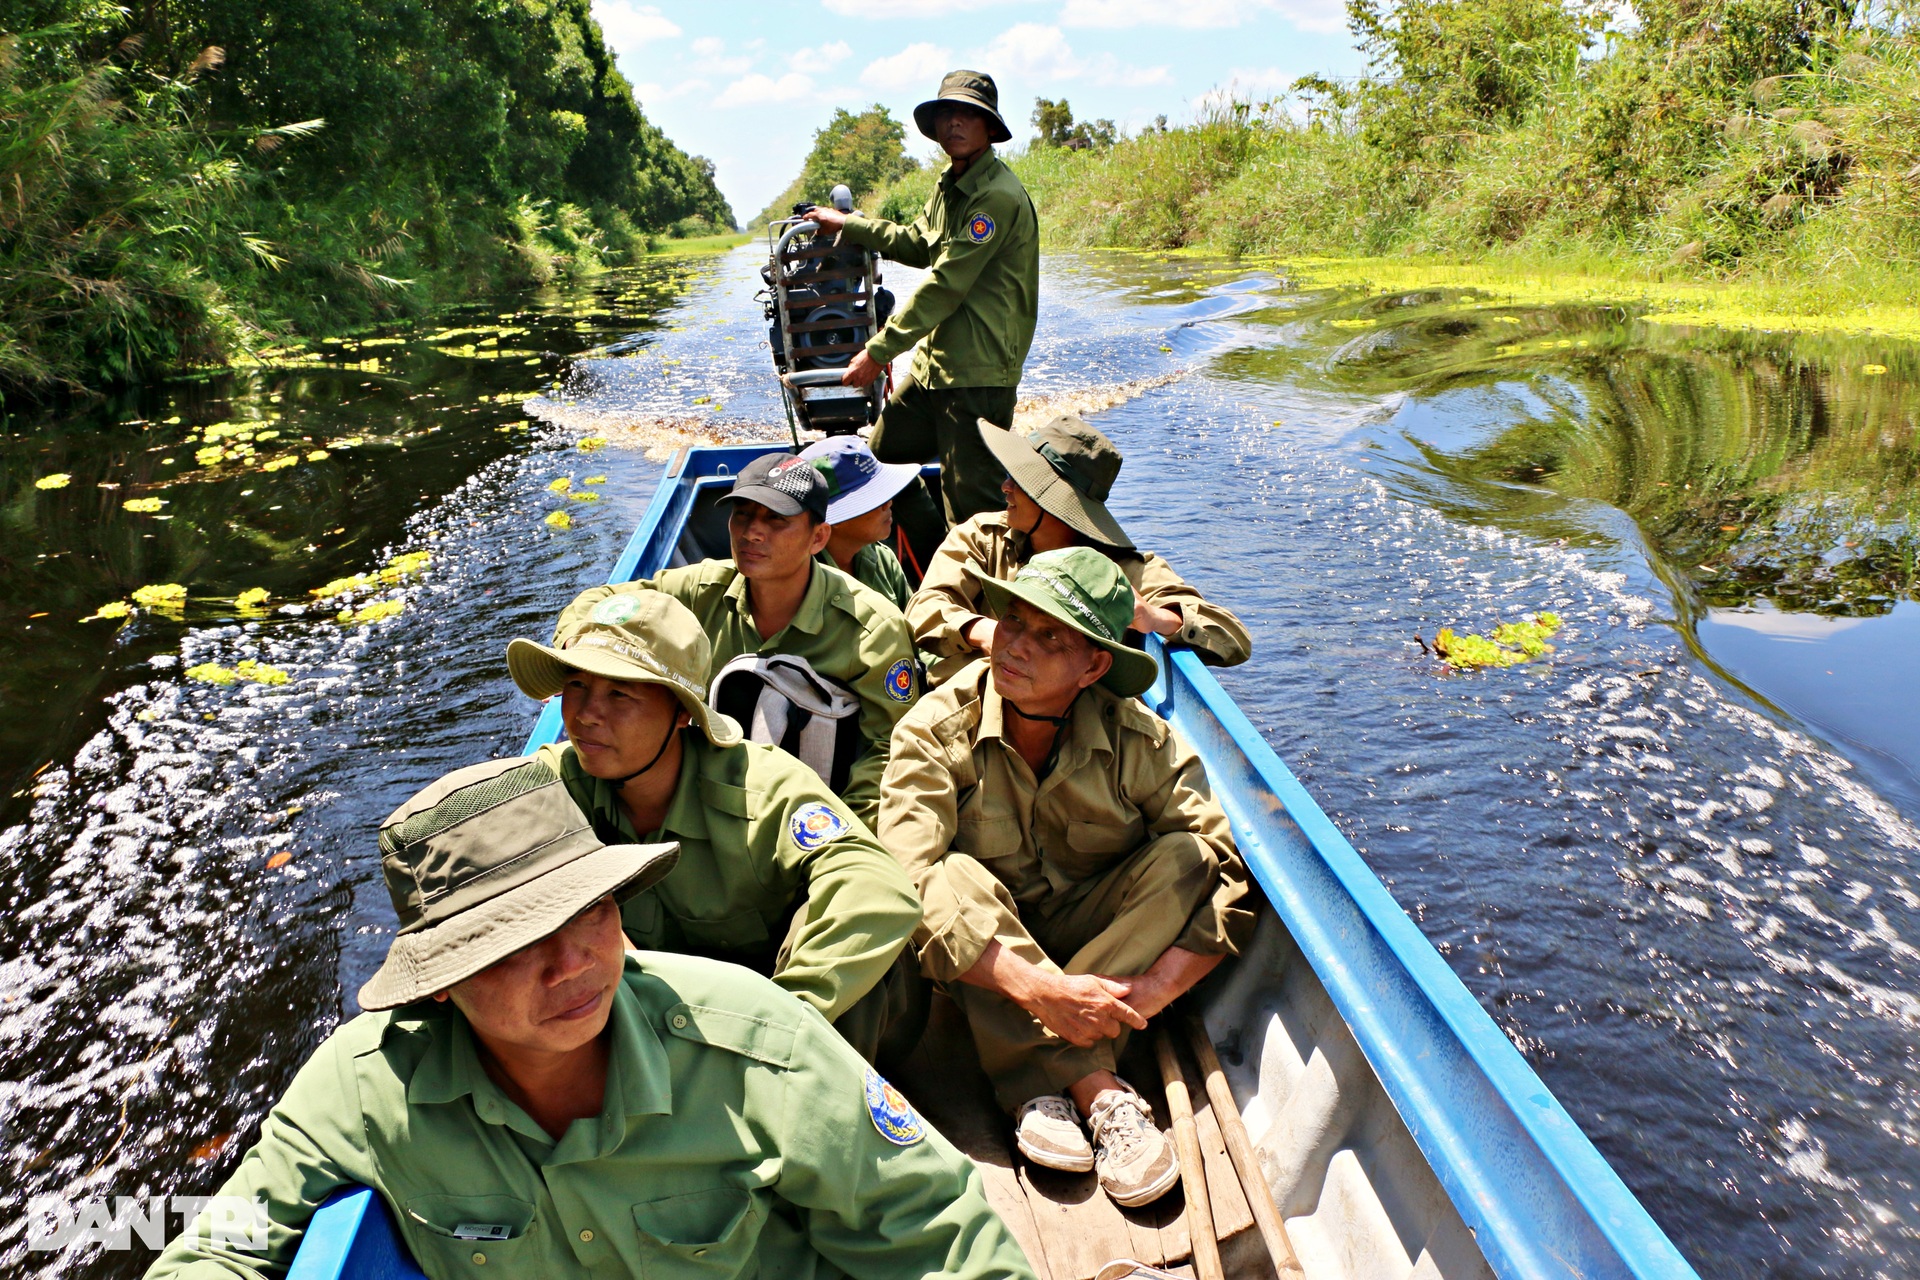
(1175, 973)
(1000, 970)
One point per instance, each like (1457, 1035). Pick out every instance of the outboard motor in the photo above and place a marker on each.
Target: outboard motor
(823, 302)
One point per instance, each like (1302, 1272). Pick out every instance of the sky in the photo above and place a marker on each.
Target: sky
(747, 84)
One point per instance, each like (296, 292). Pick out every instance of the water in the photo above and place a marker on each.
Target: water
(1676, 861)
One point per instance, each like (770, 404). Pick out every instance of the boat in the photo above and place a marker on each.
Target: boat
(1396, 1130)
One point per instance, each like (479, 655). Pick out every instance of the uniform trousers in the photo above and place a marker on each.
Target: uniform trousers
(1117, 924)
(920, 424)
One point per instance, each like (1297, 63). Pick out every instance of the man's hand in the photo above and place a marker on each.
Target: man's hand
(1172, 976)
(1081, 1008)
(979, 634)
(828, 219)
(861, 370)
(1151, 617)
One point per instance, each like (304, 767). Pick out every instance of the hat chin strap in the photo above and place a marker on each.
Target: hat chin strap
(1058, 722)
(618, 783)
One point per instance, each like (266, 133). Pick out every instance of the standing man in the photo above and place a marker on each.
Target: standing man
(774, 599)
(979, 240)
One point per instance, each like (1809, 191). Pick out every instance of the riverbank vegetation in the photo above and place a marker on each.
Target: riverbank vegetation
(193, 180)
(1770, 142)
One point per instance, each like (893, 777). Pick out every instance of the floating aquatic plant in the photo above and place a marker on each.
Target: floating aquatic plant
(561, 485)
(584, 497)
(112, 609)
(211, 673)
(594, 480)
(281, 463)
(318, 455)
(166, 595)
(395, 571)
(372, 613)
(209, 456)
(143, 505)
(252, 597)
(1510, 644)
(58, 480)
(559, 519)
(246, 670)
(593, 444)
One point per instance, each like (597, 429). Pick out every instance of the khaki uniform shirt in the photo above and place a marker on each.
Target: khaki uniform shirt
(844, 629)
(979, 239)
(762, 841)
(949, 598)
(735, 1140)
(1121, 777)
(877, 567)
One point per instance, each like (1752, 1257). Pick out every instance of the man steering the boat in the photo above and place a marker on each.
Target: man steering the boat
(1058, 479)
(847, 656)
(1078, 875)
(776, 873)
(973, 316)
(532, 1100)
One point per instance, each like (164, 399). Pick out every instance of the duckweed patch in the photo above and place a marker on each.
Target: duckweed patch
(58, 480)
(143, 505)
(1510, 644)
(371, 613)
(247, 670)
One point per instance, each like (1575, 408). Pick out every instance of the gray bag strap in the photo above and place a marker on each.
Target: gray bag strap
(787, 682)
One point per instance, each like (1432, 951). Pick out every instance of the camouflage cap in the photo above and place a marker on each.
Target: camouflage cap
(636, 634)
(486, 861)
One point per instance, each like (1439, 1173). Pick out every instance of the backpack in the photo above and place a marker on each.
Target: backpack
(782, 700)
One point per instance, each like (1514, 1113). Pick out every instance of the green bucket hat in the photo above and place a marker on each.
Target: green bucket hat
(1068, 467)
(488, 860)
(1088, 592)
(645, 636)
(975, 89)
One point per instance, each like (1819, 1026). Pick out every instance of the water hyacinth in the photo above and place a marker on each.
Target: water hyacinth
(561, 485)
(559, 519)
(1511, 643)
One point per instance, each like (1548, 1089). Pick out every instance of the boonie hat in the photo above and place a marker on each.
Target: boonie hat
(487, 860)
(783, 484)
(1068, 467)
(860, 482)
(975, 89)
(1088, 592)
(641, 635)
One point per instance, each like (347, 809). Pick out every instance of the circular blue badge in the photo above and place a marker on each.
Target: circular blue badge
(980, 228)
(815, 823)
(900, 680)
(892, 1114)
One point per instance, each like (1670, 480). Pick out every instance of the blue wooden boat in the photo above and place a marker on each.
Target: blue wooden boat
(1400, 1133)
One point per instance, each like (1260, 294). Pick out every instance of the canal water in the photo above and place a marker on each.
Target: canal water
(1676, 859)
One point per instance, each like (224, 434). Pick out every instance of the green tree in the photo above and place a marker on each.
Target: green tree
(866, 150)
(1055, 125)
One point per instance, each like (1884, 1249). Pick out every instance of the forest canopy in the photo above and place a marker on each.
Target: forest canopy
(184, 178)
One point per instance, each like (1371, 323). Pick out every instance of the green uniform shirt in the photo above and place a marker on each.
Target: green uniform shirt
(735, 1140)
(979, 239)
(845, 630)
(877, 566)
(757, 845)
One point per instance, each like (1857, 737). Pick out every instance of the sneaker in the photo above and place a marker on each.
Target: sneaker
(1137, 1164)
(1048, 1131)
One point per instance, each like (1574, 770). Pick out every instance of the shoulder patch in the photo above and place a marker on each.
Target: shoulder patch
(892, 1114)
(814, 824)
(980, 228)
(900, 680)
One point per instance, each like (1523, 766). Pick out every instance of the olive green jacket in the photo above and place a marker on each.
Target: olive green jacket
(844, 629)
(759, 843)
(979, 240)
(978, 832)
(877, 566)
(735, 1140)
(949, 598)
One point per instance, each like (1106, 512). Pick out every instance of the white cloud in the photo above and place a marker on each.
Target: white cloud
(930, 10)
(824, 58)
(711, 50)
(1309, 15)
(918, 67)
(653, 92)
(627, 26)
(1032, 52)
(759, 90)
(1242, 81)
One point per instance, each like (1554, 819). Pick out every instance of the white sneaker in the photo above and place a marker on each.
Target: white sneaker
(1048, 1131)
(1137, 1163)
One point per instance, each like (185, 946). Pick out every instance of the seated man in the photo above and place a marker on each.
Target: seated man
(1077, 872)
(861, 512)
(773, 598)
(1057, 483)
(775, 871)
(529, 1097)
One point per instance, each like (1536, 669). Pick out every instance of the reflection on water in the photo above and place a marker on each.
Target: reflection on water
(1676, 861)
